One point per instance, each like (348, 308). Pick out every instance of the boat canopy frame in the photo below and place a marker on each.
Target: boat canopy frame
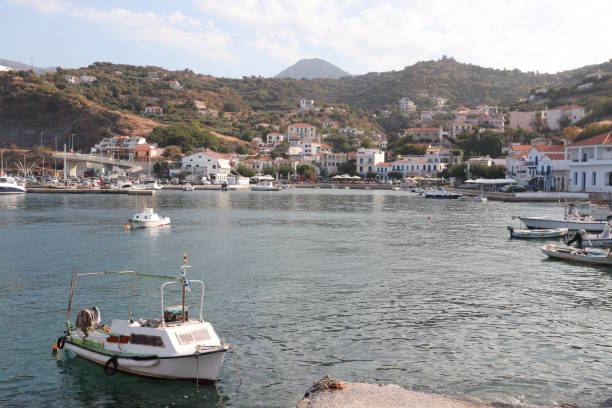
(169, 280)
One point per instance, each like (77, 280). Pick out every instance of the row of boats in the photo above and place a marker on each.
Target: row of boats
(590, 225)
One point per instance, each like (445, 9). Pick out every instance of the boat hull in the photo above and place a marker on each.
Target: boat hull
(592, 256)
(442, 196)
(538, 233)
(255, 188)
(550, 223)
(12, 190)
(202, 368)
(149, 223)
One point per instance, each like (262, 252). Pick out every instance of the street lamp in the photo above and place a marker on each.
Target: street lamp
(72, 142)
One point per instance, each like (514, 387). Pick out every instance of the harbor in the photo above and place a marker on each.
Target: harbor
(371, 286)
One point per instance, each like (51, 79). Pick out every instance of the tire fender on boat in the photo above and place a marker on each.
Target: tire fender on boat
(111, 366)
(60, 342)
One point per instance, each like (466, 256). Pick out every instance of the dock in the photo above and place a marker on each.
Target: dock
(51, 190)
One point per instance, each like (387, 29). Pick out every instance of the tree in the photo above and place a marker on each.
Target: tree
(172, 151)
(269, 170)
(348, 168)
(306, 170)
(230, 107)
(395, 175)
(245, 171)
(571, 132)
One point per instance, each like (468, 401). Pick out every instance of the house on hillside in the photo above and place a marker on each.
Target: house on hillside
(176, 85)
(570, 113)
(71, 79)
(307, 104)
(87, 79)
(429, 134)
(406, 105)
(153, 111)
(301, 131)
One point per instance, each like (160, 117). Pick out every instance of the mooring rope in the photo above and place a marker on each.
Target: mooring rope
(236, 363)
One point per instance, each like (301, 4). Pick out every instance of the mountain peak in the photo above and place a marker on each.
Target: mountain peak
(312, 68)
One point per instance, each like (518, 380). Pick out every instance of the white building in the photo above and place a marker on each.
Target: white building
(301, 131)
(310, 148)
(274, 138)
(590, 165)
(331, 161)
(87, 79)
(571, 113)
(306, 104)
(213, 165)
(406, 105)
(382, 170)
(176, 85)
(71, 79)
(418, 166)
(153, 111)
(439, 102)
(540, 163)
(366, 160)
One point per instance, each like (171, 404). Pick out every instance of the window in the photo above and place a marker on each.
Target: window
(594, 176)
(142, 339)
(575, 178)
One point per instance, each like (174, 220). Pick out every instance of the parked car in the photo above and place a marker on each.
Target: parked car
(513, 189)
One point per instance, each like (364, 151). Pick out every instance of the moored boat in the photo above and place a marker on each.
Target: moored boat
(571, 223)
(148, 218)
(188, 187)
(8, 185)
(441, 194)
(537, 233)
(172, 346)
(265, 183)
(587, 255)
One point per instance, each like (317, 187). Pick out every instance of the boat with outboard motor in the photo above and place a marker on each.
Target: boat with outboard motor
(586, 216)
(173, 346)
(8, 185)
(537, 233)
(148, 218)
(587, 255)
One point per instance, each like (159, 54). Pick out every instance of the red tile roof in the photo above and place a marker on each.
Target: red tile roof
(384, 164)
(601, 139)
(520, 148)
(549, 148)
(423, 130)
(556, 156)
(301, 125)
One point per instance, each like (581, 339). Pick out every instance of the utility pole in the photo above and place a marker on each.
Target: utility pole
(65, 167)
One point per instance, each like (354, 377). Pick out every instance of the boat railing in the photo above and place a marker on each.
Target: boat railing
(163, 321)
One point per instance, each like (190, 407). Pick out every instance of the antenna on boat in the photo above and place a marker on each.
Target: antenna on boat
(185, 281)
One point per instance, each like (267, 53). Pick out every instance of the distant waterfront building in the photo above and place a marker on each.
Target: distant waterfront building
(366, 160)
(127, 147)
(590, 164)
(215, 166)
(307, 104)
(406, 105)
(382, 170)
(411, 166)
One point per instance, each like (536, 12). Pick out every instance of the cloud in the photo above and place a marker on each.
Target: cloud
(545, 35)
(176, 31)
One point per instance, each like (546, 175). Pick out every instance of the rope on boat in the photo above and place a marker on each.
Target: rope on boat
(235, 362)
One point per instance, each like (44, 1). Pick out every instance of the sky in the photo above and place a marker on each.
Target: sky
(234, 38)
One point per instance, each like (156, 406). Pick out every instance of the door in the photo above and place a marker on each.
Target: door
(583, 181)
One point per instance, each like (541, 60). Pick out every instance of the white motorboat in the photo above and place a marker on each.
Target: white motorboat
(188, 187)
(441, 194)
(481, 199)
(266, 185)
(148, 218)
(537, 233)
(568, 253)
(8, 185)
(173, 346)
(571, 223)
(396, 188)
(603, 240)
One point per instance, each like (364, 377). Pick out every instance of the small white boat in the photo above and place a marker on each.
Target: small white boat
(173, 345)
(537, 233)
(395, 188)
(481, 199)
(588, 255)
(603, 240)
(187, 187)
(148, 218)
(8, 185)
(571, 223)
(266, 185)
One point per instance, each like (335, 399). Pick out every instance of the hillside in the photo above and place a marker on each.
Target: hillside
(312, 69)
(227, 110)
(18, 66)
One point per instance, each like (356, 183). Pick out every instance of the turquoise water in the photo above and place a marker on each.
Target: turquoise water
(367, 286)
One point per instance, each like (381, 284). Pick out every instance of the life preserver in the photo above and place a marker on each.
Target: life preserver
(111, 366)
(60, 342)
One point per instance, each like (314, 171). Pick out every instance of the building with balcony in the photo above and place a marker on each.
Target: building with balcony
(367, 159)
(215, 166)
(590, 164)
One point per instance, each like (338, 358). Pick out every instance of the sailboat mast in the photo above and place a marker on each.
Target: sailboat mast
(184, 277)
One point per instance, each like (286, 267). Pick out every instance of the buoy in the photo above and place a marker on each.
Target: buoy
(55, 346)
(128, 227)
